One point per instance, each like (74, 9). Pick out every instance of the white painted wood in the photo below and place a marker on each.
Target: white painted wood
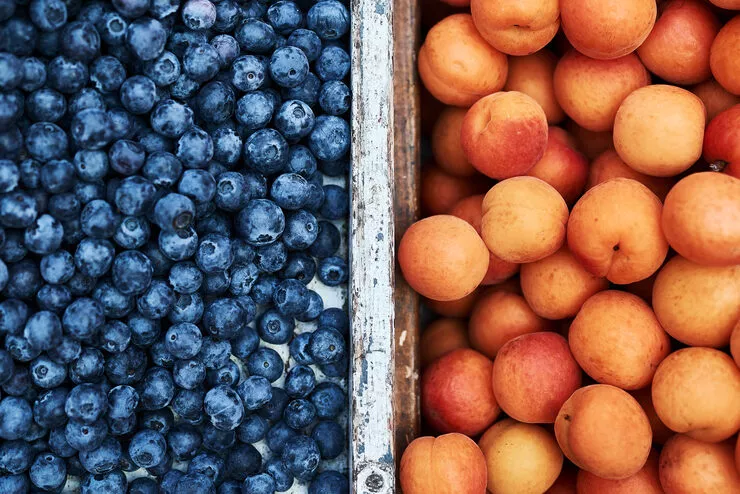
(372, 466)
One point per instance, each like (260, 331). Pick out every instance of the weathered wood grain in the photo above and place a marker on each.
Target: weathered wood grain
(371, 249)
(406, 19)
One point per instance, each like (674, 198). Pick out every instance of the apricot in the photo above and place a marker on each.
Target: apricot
(442, 257)
(659, 130)
(607, 29)
(609, 165)
(451, 463)
(532, 75)
(457, 65)
(617, 340)
(715, 98)
(504, 134)
(697, 305)
(562, 166)
(446, 146)
(440, 191)
(521, 458)
(499, 316)
(456, 393)
(735, 343)
(441, 337)
(696, 391)
(722, 141)
(566, 482)
(614, 231)
(590, 90)
(524, 219)
(470, 209)
(557, 286)
(645, 481)
(726, 4)
(677, 49)
(701, 218)
(690, 466)
(533, 375)
(724, 59)
(453, 308)
(661, 432)
(602, 429)
(592, 144)
(516, 28)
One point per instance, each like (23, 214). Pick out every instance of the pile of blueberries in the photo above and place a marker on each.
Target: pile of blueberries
(171, 180)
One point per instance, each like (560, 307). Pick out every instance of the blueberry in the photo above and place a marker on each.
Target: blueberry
(170, 481)
(215, 102)
(329, 139)
(333, 63)
(16, 417)
(6, 366)
(227, 375)
(224, 318)
(265, 362)
(227, 146)
(224, 408)
(255, 36)
(133, 232)
(261, 222)
(146, 38)
(254, 110)
(48, 472)
(34, 74)
(161, 9)
(48, 15)
(307, 91)
(273, 410)
(131, 8)
(335, 98)
(278, 471)
(195, 148)
(329, 19)
(147, 448)
(107, 74)
(216, 441)
(122, 401)
(207, 465)
(306, 40)
(67, 350)
(121, 123)
(85, 437)
(138, 94)
(294, 120)
(164, 69)
(199, 15)
(201, 62)
(115, 336)
(228, 14)
(160, 262)
(189, 374)
(183, 340)
(257, 184)
(15, 457)
(143, 485)
(43, 330)
(44, 235)
(46, 141)
(156, 390)
(214, 253)
(217, 283)
(132, 272)
(188, 308)
(288, 66)
(329, 482)
(171, 119)
(252, 429)
(185, 277)
(299, 413)
(80, 41)
(261, 483)
(21, 37)
(88, 366)
(11, 109)
(174, 212)
(284, 16)
(66, 75)
(112, 28)
(266, 151)
(156, 301)
(329, 400)
(278, 435)
(126, 157)
(83, 317)
(184, 440)
(301, 457)
(198, 185)
(333, 271)
(188, 404)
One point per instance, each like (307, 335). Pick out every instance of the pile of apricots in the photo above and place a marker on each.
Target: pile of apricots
(581, 248)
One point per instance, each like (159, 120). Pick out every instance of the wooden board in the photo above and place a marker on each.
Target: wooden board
(371, 242)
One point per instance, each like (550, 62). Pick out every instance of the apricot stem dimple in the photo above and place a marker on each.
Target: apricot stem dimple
(615, 248)
(717, 166)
